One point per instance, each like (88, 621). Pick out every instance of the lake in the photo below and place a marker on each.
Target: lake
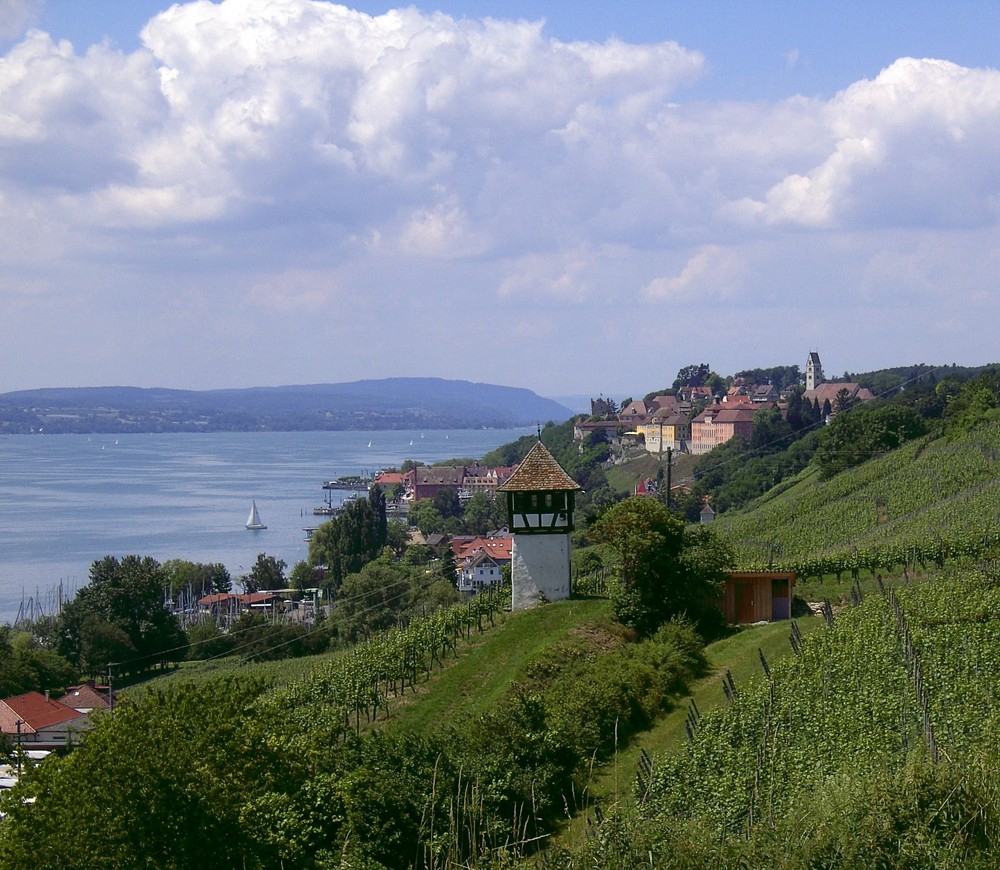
(67, 500)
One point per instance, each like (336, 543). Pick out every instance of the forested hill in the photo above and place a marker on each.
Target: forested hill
(391, 403)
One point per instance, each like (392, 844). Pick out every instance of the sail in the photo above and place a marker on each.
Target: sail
(253, 521)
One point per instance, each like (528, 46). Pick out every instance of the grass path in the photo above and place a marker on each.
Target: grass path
(487, 663)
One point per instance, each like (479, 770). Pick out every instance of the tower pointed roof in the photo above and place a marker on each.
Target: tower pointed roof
(538, 471)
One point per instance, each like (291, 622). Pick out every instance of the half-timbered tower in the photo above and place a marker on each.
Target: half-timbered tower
(540, 499)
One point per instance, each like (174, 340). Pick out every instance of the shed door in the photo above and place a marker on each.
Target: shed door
(744, 602)
(781, 605)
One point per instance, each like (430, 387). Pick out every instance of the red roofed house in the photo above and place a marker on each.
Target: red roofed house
(636, 412)
(87, 697)
(480, 561)
(32, 718)
(829, 391)
(387, 481)
(665, 403)
(719, 423)
(426, 481)
(480, 478)
(231, 604)
(498, 548)
(666, 430)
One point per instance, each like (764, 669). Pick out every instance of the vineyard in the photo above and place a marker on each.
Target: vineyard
(362, 681)
(905, 674)
(925, 504)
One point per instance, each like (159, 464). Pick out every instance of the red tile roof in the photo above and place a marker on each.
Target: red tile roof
(34, 711)
(87, 696)
(538, 471)
(498, 548)
(830, 389)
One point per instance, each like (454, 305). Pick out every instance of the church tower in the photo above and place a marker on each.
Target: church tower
(814, 371)
(540, 500)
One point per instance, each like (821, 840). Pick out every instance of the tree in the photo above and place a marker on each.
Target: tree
(482, 514)
(202, 578)
(449, 568)
(372, 599)
(853, 438)
(266, 573)
(417, 554)
(379, 522)
(349, 541)
(206, 640)
(693, 375)
(426, 517)
(770, 432)
(220, 579)
(660, 576)
(119, 617)
(397, 535)
(842, 401)
(447, 503)
(302, 576)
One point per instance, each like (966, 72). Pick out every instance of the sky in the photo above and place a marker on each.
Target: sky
(536, 194)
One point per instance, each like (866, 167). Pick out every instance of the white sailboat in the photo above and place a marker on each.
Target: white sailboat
(253, 521)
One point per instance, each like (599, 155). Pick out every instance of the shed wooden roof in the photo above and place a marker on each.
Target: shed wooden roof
(538, 471)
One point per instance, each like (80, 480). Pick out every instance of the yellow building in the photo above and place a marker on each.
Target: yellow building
(669, 430)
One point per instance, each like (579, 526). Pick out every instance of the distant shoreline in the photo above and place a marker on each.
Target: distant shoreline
(374, 406)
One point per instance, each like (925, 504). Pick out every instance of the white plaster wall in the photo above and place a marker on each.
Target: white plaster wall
(540, 567)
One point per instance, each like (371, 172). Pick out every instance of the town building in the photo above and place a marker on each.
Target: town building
(832, 391)
(87, 698)
(666, 430)
(36, 720)
(719, 423)
(481, 561)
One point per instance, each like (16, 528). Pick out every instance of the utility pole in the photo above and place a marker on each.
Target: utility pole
(111, 694)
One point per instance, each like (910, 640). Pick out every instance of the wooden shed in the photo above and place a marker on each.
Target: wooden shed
(758, 596)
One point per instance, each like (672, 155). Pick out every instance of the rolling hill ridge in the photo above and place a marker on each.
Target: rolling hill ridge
(390, 403)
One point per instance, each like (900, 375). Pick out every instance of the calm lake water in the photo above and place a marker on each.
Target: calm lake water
(67, 500)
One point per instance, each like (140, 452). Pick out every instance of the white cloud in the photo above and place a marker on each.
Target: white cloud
(441, 231)
(712, 273)
(914, 146)
(562, 275)
(273, 156)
